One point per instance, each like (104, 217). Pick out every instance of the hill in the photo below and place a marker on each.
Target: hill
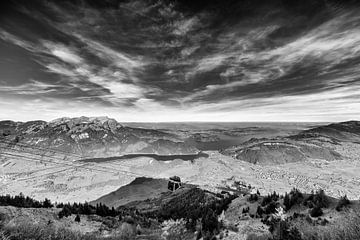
(191, 213)
(344, 131)
(138, 190)
(280, 151)
(329, 142)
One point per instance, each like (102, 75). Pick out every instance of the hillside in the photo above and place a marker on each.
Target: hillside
(344, 131)
(280, 151)
(328, 142)
(190, 213)
(138, 190)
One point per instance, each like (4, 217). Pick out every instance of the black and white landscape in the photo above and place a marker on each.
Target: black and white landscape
(179, 119)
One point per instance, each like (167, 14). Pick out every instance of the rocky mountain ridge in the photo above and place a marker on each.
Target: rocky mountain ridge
(91, 137)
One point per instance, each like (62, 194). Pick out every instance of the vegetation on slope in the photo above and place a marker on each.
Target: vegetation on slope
(192, 213)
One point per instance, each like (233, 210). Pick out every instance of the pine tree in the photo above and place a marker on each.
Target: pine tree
(287, 202)
(47, 203)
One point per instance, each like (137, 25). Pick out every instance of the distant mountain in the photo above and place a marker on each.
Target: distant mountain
(91, 137)
(344, 131)
(280, 151)
(315, 143)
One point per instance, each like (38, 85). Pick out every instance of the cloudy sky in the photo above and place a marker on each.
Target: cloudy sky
(163, 60)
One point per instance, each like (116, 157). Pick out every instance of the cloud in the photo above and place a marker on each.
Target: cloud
(117, 58)
(32, 88)
(160, 59)
(323, 49)
(8, 37)
(62, 52)
(60, 69)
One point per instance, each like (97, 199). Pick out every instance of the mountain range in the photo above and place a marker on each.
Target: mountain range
(88, 137)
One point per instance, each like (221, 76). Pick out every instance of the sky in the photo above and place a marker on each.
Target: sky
(165, 61)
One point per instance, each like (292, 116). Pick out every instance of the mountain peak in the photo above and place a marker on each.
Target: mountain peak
(83, 119)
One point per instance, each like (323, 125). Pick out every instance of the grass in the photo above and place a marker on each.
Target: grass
(41, 232)
(346, 229)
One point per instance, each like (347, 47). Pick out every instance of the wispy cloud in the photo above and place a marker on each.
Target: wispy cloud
(32, 88)
(62, 52)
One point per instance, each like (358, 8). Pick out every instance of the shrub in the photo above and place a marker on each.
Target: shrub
(343, 202)
(4, 236)
(246, 210)
(294, 234)
(321, 199)
(271, 208)
(259, 211)
(316, 211)
(30, 231)
(127, 232)
(65, 212)
(253, 198)
(287, 202)
(209, 222)
(253, 236)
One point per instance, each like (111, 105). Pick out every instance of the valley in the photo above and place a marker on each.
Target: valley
(276, 163)
(129, 172)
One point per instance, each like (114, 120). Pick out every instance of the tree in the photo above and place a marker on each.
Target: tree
(259, 211)
(287, 202)
(65, 212)
(344, 201)
(253, 198)
(77, 218)
(47, 203)
(321, 200)
(209, 222)
(271, 208)
(316, 211)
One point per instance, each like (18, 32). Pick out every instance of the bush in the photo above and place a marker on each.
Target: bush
(29, 231)
(253, 236)
(127, 232)
(343, 202)
(259, 211)
(253, 198)
(318, 199)
(65, 212)
(245, 210)
(4, 236)
(271, 208)
(209, 222)
(316, 211)
(294, 234)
